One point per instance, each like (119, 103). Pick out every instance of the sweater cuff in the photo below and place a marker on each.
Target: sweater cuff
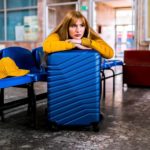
(71, 45)
(86, 42)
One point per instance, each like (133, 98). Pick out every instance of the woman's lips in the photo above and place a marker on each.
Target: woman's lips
(77, 35)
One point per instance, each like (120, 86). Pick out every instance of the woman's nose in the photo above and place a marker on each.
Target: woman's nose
(78, 29)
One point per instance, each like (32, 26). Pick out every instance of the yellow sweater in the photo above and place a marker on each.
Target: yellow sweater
(53, 44)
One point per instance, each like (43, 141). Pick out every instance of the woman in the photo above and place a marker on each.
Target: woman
(74, 31)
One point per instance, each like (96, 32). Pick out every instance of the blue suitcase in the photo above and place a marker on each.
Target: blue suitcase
(74, 88)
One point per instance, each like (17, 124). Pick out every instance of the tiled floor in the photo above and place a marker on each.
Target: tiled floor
(126, 125)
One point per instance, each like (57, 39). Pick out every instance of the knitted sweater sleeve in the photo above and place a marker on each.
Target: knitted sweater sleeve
(100, 45)
(53, 44)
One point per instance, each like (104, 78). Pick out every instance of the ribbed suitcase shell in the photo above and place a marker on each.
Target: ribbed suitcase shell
(74, 87)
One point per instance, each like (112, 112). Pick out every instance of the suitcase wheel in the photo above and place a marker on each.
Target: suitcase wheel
(53, 126)
(95, 127)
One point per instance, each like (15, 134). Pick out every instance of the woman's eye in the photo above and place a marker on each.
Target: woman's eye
(73, 25)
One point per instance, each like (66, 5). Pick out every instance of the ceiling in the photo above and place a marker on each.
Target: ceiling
(117, 3)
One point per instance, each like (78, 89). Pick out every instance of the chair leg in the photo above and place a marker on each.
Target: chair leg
(113, 80)
(32, 99)
(29, 101)
(104, 84)
(2, 102)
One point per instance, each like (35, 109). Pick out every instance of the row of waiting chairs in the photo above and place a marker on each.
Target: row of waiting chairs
(32, 60)
(29, 60)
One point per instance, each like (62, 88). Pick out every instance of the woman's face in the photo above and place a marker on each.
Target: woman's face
(76, 30)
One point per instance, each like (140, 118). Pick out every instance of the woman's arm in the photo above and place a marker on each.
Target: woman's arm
(100, 45)
(53, 44)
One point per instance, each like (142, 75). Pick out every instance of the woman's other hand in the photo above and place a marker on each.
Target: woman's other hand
(75, 41)
(81, 46)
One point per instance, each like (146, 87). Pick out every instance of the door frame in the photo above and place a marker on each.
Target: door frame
(77, 6)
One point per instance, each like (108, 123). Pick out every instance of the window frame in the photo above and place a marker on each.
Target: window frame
(147, 20)
(5, 10)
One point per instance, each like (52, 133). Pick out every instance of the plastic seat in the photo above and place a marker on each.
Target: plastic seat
(116, 62)
(22, 57)
(16, 81)
(25, 61)
(38, 55)
(0, 54)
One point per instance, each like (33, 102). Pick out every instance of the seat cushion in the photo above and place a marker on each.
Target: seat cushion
(14, 81)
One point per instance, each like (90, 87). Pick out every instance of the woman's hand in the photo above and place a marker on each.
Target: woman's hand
(75, 41)
(78, 43)
(81, 46)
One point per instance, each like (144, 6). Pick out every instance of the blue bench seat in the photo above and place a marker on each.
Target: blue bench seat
(24, 60)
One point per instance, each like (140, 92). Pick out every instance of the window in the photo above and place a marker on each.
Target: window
(147, 20)
(19, 20)
(124, 31)
(60, 1)
(123, 16)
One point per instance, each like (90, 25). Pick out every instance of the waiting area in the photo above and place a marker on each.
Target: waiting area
(119, 126)
(73, 78)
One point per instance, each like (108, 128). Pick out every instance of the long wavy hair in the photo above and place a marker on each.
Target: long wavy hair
(71, 18)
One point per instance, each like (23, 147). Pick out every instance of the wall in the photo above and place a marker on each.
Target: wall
(105, 14)
(105, 18)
